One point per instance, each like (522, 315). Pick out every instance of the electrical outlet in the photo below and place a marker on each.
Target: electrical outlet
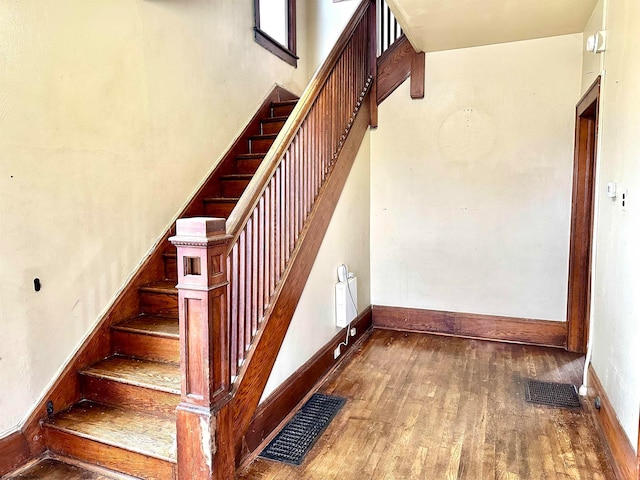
(336, 352)
(625, 200)
(353, 332)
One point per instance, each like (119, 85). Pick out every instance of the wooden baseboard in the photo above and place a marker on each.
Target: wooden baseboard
(14, 451)
(621, 454)
(485, 327)
(284, 399)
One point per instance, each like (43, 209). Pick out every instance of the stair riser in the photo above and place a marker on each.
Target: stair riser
(281, 110)
(159, 304)
(260, 145)
(108, 456)
(233, 188)
(146, 347)
(271, 127)
(132, 397)
(170, 268)
(247, 166)
(220, 210)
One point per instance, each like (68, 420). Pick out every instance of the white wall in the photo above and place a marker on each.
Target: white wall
(346, 241)
(325, 22)
(471, 187)
(616, 304)
(112, 111)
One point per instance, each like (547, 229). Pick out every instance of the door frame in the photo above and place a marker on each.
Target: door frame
(582, 213)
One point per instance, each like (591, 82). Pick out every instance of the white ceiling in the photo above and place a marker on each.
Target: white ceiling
(433, 25)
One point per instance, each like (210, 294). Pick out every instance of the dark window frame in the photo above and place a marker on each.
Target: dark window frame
(285, 52)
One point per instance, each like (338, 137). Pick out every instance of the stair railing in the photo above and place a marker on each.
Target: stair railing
(229, 275)
(272, 212)
(389, 30)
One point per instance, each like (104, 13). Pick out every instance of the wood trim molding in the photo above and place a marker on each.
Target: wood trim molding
(621, 453)
(269, 338)
(14, 451)
(582, 214)
(472, 325)
(277, 407)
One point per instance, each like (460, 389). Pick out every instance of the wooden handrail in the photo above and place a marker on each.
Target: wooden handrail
(240, 214)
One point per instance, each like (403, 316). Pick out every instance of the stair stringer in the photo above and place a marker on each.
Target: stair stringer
(251, 382)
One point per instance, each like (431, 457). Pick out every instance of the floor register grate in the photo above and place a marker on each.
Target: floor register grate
(298, 436)
(553, 394)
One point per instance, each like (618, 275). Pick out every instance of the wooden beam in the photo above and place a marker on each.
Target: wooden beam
(417, 75)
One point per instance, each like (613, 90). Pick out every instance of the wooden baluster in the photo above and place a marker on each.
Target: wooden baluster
(256, 267)
(263, 264)
(295, 205)
(278, 225)
(292, 200)
(284, 236)
(203, 417)
(233, 294)
(373, 97)
(242, 299)
(248, 287)
(275, 241)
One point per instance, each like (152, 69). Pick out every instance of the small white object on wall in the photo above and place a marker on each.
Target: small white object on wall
(596, 43)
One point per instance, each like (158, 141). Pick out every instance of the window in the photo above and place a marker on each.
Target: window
(275, 28)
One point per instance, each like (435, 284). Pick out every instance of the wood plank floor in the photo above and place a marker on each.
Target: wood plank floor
(430, 407)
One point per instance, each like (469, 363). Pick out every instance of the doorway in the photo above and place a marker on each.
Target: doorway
(582, 211)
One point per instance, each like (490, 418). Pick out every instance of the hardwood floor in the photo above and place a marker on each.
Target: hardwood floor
(433, 407)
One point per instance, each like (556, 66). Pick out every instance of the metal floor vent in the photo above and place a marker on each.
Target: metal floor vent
(298, 436)
(554, 394)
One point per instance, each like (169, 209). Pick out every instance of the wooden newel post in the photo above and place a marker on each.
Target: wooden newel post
(203, 421)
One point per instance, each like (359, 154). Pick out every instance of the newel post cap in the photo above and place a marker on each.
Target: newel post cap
(199, 230)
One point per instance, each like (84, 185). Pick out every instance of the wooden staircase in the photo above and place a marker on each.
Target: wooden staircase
(125, 419)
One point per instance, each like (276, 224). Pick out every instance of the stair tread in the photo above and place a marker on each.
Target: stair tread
(249, 156)
(282, 118)
(58, 469)
(284, 102)
(221, 199)
(264, 136)
(237, 176)
(151, 325)
(137, 432)
(142, 373)
(164, 286)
